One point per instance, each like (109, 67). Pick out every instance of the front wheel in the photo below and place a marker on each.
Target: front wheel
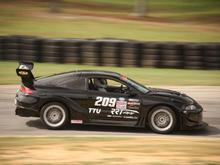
(162, 120)
(54, 115)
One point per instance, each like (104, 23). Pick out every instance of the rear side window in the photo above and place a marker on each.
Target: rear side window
(67, 80)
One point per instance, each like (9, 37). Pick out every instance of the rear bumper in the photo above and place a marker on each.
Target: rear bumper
(26, 105)
(26, 112)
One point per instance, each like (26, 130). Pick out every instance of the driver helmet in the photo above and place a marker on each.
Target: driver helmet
(100, 83)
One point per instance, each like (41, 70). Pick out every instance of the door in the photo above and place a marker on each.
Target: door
(111, 102)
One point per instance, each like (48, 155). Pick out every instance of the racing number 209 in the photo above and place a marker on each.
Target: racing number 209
(105, 101)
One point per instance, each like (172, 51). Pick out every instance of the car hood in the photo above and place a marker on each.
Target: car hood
(171, 94)
(164, 91)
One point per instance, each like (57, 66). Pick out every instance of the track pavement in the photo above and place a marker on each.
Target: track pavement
(11, 125)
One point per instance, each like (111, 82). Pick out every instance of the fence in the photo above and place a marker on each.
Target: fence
(111, 52)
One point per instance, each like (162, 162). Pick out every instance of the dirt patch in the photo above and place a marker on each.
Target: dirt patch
(110, 150)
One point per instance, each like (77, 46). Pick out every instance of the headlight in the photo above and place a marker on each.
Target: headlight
(190, 107)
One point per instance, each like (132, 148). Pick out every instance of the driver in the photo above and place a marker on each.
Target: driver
(100, 84)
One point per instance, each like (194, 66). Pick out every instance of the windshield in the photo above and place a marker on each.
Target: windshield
(135, 84)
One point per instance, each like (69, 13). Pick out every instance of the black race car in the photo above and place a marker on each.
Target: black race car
(103, 98)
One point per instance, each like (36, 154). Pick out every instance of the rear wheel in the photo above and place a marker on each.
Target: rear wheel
(162, 120)
(54, 115)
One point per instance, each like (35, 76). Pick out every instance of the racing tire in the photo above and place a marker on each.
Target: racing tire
(162, 120)
(54, 115)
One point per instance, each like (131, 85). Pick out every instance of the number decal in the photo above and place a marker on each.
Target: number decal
(105, 101)
(98, 101)
(112, 102)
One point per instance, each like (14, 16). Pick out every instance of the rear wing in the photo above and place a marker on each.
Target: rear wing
(24, 71)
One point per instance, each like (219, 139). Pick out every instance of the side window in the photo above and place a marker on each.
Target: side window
(107, 85)
(113, 83)
(79, 83)
(73, 83)
(67, 80)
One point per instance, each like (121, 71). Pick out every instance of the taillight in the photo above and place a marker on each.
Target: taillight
(25, 90)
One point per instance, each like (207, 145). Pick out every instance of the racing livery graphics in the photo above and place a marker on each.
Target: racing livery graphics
(133, 103)
(103, 98)
(116, 107)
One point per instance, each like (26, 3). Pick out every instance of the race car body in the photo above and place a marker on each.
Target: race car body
(103, 98)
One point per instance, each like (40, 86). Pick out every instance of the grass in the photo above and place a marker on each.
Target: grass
(109, 150)
(61, 28)
(147, 76)
(198, 7)
(89, 20)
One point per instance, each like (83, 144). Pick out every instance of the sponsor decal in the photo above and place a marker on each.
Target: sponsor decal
(130, 112)
(121, 98)
(23, 67)
(95, 110)
(123, 112)
(115, 116)
(130, 117)
(133, 100)
(133, 104)
(23, 73)
(76, 121)
(116, 111)
(122, 117)
(120, 104)
(135, 107)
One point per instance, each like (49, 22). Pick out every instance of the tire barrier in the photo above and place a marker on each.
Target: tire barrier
(111, 52)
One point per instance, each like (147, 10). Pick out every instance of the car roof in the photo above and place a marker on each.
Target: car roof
(97, 73)
(83, 73)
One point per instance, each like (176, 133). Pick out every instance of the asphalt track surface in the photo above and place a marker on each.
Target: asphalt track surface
(12, 125)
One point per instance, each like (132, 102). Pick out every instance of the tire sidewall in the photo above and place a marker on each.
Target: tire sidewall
(64, 123)
(172, 127)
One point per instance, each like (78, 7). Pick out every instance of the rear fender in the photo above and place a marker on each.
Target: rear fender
(74, 109)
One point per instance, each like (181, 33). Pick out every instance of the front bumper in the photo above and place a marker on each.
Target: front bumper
(193, 120)
(198, 127)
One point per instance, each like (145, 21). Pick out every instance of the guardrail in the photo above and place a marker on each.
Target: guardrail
(111, 52)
